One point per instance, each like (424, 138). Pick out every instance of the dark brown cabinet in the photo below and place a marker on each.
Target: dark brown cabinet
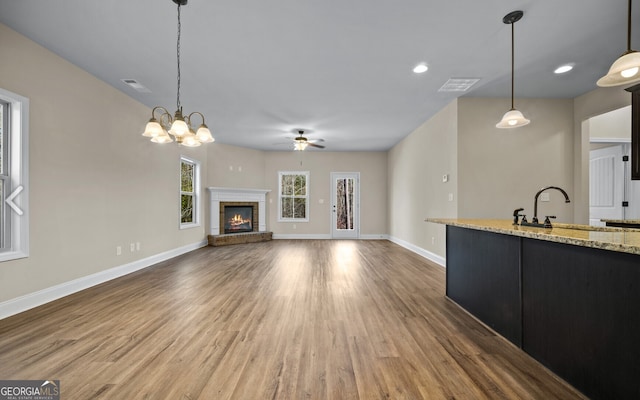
(575, 309)
(635, 131)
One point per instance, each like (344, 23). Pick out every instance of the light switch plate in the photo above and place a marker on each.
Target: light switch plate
(544, 197)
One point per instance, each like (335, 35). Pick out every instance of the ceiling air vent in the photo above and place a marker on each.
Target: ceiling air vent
(136, 85)
(458, 84)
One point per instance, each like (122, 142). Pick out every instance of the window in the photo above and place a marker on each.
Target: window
(14, 199)
(189, 192)
(293, 196)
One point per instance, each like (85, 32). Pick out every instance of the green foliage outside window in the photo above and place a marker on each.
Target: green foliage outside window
(293, 195)
(187, 191)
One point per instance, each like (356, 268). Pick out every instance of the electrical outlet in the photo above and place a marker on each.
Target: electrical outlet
(132, 247)
(137, 246)
(118, 250)
(433, 240)
(450, 196)
(544, 197)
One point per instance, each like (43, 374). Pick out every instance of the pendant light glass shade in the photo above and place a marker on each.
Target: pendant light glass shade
(624, 71)
(512, 119)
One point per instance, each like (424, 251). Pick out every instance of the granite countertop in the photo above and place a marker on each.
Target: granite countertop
(624, 240)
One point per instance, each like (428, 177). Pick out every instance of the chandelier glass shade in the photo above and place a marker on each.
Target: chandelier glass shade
(165, 128)
(512, 118)
(626, 69)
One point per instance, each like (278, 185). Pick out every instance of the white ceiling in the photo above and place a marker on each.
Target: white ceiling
(260, 70)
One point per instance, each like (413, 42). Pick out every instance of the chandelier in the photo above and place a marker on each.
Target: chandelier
(164, 127)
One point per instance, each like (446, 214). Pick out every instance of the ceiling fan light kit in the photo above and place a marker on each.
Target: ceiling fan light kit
(626, 69)
(512, 118)
(300, 142)
(166, 128)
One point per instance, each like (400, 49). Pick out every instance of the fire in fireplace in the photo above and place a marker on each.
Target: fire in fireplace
(238, 219)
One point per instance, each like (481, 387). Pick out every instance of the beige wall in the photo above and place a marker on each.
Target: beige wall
(372, 167)
(502, 169)
(613, 125)
(95, 183)
(416, 188)
(231, 166)
(491, 171)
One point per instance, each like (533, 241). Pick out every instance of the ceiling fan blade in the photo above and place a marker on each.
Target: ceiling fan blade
(315, 140)
(315, 145)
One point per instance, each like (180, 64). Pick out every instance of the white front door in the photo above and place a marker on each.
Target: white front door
(345, 202)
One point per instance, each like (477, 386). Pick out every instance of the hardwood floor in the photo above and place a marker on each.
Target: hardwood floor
(313, 319)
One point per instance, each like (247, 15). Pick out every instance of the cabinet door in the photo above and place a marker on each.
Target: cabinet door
(581, 309)
(483, 277)
(635, 131)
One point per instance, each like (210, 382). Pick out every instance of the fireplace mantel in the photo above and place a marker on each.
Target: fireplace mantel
(222, 194)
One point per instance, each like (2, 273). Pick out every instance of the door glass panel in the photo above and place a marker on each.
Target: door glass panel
(344, 204)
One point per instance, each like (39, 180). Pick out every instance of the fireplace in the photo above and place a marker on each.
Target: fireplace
(221, 198)
(238, 219)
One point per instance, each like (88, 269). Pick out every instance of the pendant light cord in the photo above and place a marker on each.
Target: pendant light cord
(178, 105)
(512, 64)
(629, 29)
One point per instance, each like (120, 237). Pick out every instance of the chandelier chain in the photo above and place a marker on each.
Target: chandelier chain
(178, 106)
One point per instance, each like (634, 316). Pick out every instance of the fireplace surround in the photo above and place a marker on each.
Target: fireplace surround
(220, 197)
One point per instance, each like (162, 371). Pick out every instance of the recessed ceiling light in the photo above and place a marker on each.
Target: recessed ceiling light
(563, 68)
(420, 68)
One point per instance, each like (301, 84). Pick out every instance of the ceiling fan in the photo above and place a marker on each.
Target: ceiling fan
(300, 142)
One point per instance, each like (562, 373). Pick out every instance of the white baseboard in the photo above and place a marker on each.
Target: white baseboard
(326, 236)
(441, 261)
(301, 236)
(35, 299)
(374, 237)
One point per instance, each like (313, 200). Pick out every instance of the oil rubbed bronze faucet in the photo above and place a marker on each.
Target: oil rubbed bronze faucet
(534, 220)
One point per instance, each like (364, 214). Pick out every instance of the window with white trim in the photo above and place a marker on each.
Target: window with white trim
(14, 176)
(189, 192)
(293, 196)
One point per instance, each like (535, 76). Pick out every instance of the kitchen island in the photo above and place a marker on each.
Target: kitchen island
(569, 296)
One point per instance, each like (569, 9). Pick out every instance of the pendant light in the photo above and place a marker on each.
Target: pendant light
(162, 129)
(626, 69)
(512, 118)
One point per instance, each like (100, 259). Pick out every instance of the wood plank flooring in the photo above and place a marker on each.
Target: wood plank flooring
(313, 319)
